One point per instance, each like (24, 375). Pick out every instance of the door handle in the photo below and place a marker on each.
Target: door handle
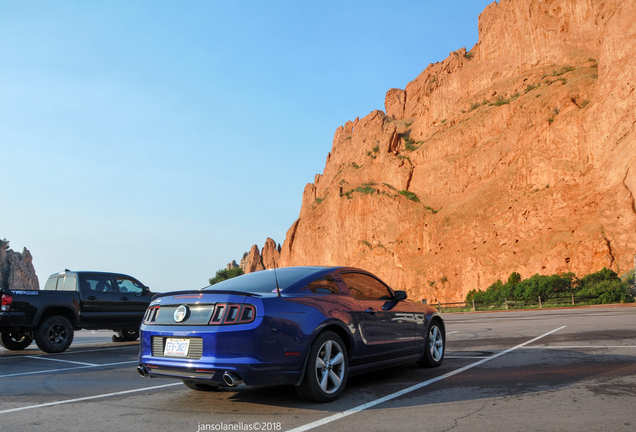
(124, 299)
(91, 298)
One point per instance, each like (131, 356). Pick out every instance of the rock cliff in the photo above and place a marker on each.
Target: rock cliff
(255, 261)
(518, 155)
(16, 269)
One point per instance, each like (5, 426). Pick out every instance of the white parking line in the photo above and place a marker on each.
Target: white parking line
(371, 404)
(17, 356)
(582, 346)
(88, 398)
(65, 369)
(58, 360)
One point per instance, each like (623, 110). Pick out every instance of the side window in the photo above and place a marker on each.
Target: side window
(69, 284)
(324, 285)
(365, 287)
(127, 285)
(97, 283)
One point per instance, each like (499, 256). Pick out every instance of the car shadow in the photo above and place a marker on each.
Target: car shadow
(521, 372)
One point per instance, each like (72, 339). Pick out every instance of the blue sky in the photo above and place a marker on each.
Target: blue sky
(164, 139)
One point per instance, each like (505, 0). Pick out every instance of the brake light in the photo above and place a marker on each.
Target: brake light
(228, 313)
(151, 314)
(6, 302)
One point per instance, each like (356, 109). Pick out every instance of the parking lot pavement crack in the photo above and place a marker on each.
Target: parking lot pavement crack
(465, 416)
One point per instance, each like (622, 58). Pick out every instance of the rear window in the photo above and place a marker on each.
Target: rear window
(264, 281)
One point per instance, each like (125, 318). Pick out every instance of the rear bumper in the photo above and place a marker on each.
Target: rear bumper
(250, 351)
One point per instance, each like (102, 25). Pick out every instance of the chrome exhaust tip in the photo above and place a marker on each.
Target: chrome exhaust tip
(142, 371)
(232, 379)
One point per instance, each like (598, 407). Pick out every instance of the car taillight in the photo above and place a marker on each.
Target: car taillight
(229, 313)
(6, 302)
(151, 314)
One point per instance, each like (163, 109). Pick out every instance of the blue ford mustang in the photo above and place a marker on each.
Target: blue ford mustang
(311, 327)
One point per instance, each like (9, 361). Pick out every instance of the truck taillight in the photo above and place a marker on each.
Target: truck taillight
(228, 313)
(6, 302)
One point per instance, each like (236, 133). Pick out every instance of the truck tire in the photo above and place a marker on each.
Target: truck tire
(54, 334)
(15, 340)
(129, 335)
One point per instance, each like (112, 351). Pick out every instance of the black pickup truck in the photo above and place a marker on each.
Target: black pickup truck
(72, 300)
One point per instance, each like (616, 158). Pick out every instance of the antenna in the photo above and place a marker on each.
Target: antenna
(276, 278)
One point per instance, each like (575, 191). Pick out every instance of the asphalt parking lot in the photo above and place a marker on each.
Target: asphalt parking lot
(552, 370)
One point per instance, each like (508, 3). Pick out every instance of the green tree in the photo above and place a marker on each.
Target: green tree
(225, 274)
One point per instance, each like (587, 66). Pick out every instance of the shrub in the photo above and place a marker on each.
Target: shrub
(409, 144)
(225, 274)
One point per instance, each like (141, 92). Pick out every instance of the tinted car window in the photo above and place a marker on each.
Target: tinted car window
(127, 285)
(364, 287)
(264, 280)
(99, 283)
(324, 285)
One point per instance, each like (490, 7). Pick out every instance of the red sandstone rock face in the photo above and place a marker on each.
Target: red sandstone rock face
(517, 156)
(254, 261)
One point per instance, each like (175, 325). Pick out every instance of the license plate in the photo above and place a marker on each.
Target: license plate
(177, 347)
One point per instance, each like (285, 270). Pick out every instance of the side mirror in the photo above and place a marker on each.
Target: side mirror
(400, 295)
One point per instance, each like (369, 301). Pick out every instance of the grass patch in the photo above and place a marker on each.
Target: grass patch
(500, 101)
(443, 121)
(365, 189)
(469, 55)
(376, 149)
(409, 195)
(389, 186)
(585, 103)
(355, 165)
(474, 106)
(531, 87)
(563, 70)
(319, 200)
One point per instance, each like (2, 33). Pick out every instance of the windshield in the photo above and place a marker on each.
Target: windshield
(265, 280)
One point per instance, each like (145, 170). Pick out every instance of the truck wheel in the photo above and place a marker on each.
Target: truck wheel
(54, 334)
(15, 340)
(129, 335)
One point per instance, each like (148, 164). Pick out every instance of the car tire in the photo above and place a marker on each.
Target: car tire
(327, 369)
(435, 346)
(54, 334)
(200, 387)
(15, 341)
(129, 335)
